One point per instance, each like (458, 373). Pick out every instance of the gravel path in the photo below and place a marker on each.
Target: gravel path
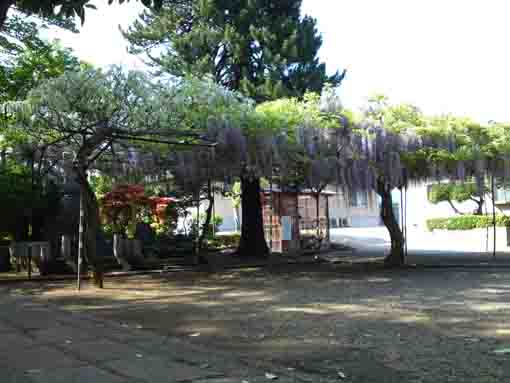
(428, 325)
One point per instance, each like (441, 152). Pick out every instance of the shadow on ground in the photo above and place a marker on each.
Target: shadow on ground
(375, 326)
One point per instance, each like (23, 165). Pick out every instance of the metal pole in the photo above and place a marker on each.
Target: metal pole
(81, 235)
(197, 250)
(402, 219)
(328, 226)
(493, 215)
(213, 212)
(271, 208)
(405, 220)
(30, 262)
(402, 211)
(486, 232)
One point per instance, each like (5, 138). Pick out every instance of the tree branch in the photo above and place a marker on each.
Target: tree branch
(457, 211)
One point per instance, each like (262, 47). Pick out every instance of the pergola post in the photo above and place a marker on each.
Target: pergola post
(81, 240)
(493, 215)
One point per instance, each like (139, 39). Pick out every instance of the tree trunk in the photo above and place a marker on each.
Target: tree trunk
(457, 211)
(91, 218)
(252, 242)
(479, 206)
(208, 216)
(396, 256)
(90, 206)
(318, 243)
(38, 222)
(119, 251)
(22, 229)
(317, 214)
(5, 5)
(236, 218)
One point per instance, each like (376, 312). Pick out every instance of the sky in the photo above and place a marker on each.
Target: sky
(444, 56)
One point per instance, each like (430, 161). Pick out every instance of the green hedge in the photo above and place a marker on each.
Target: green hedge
(466, 222)
(222, 241)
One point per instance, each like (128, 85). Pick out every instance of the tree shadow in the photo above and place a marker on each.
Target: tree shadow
(378, 325)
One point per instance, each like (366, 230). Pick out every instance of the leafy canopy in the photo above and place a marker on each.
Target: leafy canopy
(445, 192)
(57, 9)
(33, 65)
(264, 49)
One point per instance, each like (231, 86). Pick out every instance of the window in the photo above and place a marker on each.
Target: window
(359, 198)
(502, 195)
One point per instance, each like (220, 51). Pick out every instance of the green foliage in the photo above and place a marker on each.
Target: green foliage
(286, 115)
(397, 118)
(101, 184)
(466, 222)
(57, 10)
(224, 241)
(14, 28)
(27, 61)
(15, 193)
(452, 192)
(202, 100)
(265, 49)
(168, 224)
(216, 221)
(500, 138)
(20, 199)
(235, 194)
(468, 139)
(130, 103)
(33, 65)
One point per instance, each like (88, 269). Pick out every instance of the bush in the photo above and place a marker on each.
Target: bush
(216, 221)
(224, 241)
(466, 222)
(453, 192)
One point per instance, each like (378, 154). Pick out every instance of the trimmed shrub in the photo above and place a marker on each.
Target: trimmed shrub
(223, 241)
(466, 222)
(453, 192)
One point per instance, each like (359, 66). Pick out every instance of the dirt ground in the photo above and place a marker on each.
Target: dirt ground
(414, 325)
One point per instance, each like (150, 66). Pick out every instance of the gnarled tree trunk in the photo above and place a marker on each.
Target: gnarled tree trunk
(89, 205)
(396, 256)
(320, 236)
(91, 225)
(38, 222)
(454, 208)
(252, 242)
(479, 205)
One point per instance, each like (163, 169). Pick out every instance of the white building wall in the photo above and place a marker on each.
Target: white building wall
(224, 208)
(419, 209)
(361, 210)
(340, 211)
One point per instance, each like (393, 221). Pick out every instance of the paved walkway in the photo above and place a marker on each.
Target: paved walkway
(428, 248)
(44, 344)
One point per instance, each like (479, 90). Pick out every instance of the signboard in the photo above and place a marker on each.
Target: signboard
(286, 228)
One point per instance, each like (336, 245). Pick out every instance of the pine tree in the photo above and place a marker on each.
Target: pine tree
(263, 48)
